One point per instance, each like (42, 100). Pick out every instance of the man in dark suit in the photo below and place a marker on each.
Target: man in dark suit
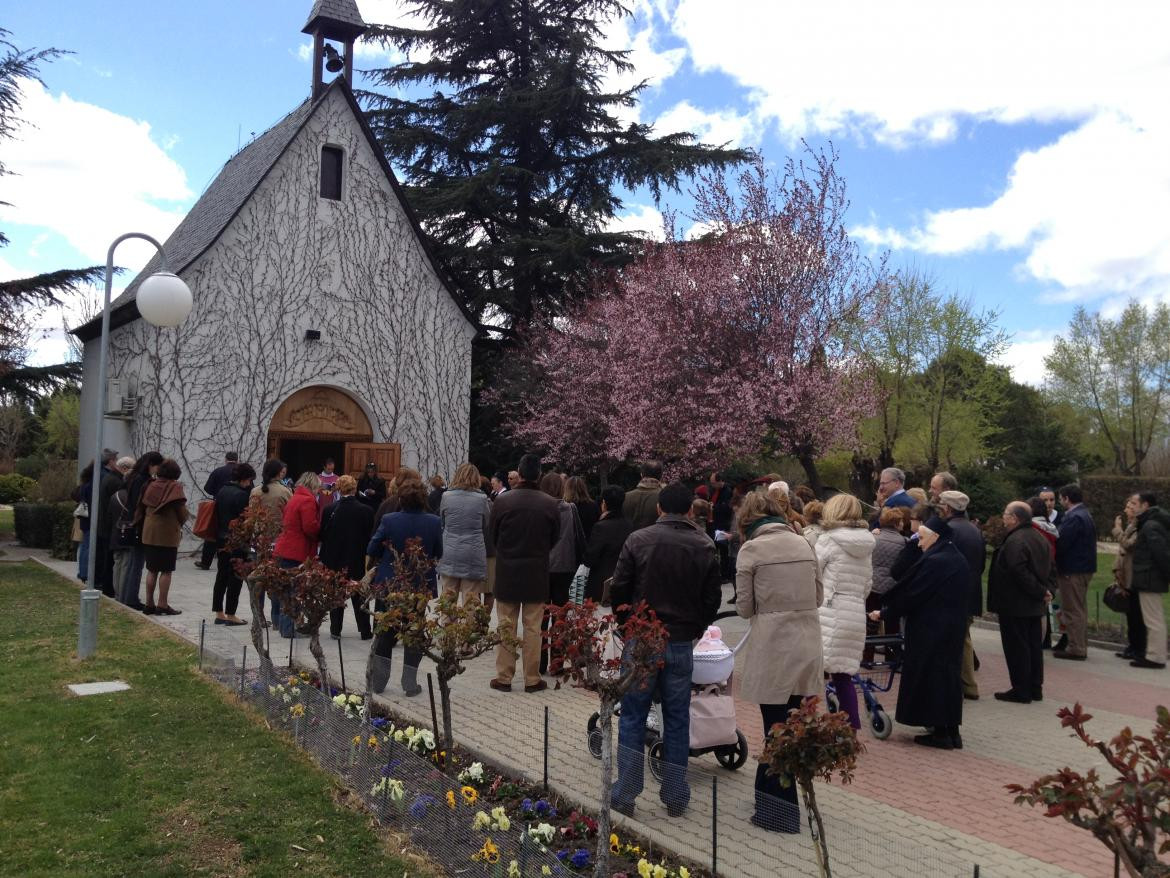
(1076, 562)
(524, 526)
(345, 529)
(968, 539)
(220, 476)
(1017, 591)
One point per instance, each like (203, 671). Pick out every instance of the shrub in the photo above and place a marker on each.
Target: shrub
(56, 483)
(1106, 495)
(1127, 814)
(990, 491)
(14, 487)
(32, 466)
(45, 526)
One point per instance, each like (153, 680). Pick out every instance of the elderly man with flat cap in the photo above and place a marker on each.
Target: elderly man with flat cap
(968, 539)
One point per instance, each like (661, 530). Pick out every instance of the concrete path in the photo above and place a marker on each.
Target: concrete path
(910, 811)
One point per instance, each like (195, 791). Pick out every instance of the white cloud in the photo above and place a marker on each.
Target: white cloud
(1025, 354)
(89, 175)
(710, 126)
(1087, 211)
(641, 219)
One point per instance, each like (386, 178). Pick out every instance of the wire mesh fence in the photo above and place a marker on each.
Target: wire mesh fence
(548, 751)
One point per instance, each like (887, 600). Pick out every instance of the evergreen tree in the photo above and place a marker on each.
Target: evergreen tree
(512, 147)
(21, 383)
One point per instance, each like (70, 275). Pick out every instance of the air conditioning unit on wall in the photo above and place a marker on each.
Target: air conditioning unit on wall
(120, 399)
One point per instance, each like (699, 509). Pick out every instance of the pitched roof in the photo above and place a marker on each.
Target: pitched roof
(228, 193)
(343, 12)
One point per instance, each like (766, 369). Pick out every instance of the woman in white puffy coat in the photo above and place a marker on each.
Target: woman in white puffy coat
(844, 553)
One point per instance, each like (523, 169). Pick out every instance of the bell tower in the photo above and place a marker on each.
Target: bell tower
(333, 22)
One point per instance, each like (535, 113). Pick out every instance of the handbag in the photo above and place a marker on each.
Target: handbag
(712, 718)
(1116, 598)
(577, 588)
(125, 534)
(81, 510)
(206, 527)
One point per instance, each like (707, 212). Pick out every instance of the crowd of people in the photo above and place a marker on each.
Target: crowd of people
(814, 576)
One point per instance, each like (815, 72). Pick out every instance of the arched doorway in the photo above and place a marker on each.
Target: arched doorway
(317, 423)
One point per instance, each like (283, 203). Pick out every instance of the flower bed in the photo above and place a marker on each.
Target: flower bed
(465, 814)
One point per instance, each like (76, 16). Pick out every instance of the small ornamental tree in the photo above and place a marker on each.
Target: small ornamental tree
(309, 592)
(1129, 815)
(250, 540)
(449, 635)
(411, 574)
(581, 635)
(810, 745)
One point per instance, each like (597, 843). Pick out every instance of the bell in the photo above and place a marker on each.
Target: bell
(333, 61)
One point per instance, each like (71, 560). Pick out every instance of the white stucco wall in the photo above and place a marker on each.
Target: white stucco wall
(391, 335)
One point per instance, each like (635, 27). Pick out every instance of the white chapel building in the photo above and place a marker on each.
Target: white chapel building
(322, 325)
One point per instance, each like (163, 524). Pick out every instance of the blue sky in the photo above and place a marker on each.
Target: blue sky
(1016, 152)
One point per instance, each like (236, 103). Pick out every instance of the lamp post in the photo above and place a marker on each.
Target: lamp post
(163, 300)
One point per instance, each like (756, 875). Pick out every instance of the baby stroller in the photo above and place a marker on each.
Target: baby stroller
(874, 677)
(713, 728)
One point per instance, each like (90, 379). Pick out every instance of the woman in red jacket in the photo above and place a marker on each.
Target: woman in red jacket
(298, 538)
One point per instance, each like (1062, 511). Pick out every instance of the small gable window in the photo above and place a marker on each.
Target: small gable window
(331, 163)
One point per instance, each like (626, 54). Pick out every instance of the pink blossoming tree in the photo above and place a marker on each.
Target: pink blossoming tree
(707, 350)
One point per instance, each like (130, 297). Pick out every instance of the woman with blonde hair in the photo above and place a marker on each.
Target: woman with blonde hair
(844, 555)
(812, 529)
(465, 511)
(778, 491)
(778, 588)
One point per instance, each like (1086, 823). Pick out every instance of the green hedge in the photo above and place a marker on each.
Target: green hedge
(1106, 495)
(45, 526)
(14, 487)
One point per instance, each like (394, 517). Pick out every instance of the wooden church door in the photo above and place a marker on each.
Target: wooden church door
(386, 455)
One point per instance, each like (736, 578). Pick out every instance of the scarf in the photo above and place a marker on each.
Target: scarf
(750, 530)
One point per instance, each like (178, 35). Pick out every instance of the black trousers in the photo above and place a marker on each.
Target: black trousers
(1023, 652)
(776, 805)
(1135, 625)
(337, 617)
(207, 553)
(225, 594)
(104, 572)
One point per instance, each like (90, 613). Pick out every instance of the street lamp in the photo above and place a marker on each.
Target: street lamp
(163, 300)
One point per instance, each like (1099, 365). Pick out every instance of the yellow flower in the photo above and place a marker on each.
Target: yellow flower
(659, 872)
(480, 821)
(684, 872)
(373, 742)
(297, 710)
(614, 845)
(545, 870)
(489, 853)
(513, 869)
(357, 740)
(469, 794)
(451, 799)
(644, 868)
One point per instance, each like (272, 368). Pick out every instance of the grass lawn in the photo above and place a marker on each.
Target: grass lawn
(6, 523)
(1102, 579)
(168, 779)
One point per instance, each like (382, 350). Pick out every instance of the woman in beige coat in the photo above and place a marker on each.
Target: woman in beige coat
(777, 587)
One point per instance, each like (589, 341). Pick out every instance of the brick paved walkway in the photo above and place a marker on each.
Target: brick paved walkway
(910, 811)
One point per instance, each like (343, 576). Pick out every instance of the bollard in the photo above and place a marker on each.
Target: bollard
(715, 825)
(243, 666)
(202, 635)
(434, 713)
(546, 748)
(291, 641)
(87, 631)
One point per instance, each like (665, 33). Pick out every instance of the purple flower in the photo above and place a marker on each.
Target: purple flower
(562, 854)
(580, 859)
(379, 721)
(390, 766)
(544, 809)
(418, 808)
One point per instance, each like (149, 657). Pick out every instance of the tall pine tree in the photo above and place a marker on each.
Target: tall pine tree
(19, 382)
(513, 150)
